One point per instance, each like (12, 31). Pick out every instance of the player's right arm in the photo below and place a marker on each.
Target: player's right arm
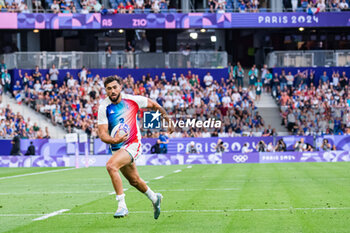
(103, 133)
(106, 138)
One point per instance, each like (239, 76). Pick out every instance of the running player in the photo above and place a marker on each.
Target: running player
(122, 108)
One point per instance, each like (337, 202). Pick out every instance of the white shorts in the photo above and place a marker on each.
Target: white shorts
(134, 150)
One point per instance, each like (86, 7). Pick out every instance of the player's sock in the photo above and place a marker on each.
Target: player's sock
(151, 195)
(121, 201)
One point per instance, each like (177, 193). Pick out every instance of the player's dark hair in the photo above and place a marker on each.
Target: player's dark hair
(110, 79)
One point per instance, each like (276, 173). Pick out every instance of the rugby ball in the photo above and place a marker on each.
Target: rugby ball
(123, 129)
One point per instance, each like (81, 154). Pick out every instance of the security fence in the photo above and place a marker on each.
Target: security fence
(75, 60)
(311, 58)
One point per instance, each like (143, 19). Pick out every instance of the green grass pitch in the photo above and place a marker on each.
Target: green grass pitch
(295, 197)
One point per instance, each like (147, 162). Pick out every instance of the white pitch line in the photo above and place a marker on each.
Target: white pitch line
(159, 177)
(113, 193)
(177, 171)
(189, 166)
(189, 190)
(35, 173)
(51, 214)
(63, 192)
(183, 211)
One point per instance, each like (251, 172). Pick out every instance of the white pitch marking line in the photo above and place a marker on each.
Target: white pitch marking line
(219, 211)
(189, 166)
(113, 193)
(68, 192)
(177, 171)
(159, 177)
(51, 214)
(188, 190)
(184, 211)
(35, 173)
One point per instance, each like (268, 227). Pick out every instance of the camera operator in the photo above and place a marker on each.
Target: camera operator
(261, 146)
(300, 146)
(245, 149)
(326, 146)
(281, 146)
(191, 148)
(220, 146)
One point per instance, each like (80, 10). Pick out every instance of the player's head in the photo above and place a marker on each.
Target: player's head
(113, 87)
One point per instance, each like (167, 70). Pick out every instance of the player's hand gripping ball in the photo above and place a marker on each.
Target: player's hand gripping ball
(123, 129)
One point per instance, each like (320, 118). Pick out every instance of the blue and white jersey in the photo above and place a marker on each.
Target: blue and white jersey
(123, 112)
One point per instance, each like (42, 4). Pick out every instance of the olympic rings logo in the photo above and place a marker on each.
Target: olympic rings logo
(240, 158)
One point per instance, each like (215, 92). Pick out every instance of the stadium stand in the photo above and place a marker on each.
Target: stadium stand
(12, 124)
(313, 105)
(74, 104)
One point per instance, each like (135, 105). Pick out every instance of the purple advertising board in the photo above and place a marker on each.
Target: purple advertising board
(179, 159)
(34, 161)
(317, 156)
(203, 145)
(291, 140)
(252, 157)
(172, 20)
(342, 142)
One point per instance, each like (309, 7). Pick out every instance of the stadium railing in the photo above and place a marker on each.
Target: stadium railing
(74, 60)
(309, 58)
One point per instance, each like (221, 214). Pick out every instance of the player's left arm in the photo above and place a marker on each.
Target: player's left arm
(156, 107)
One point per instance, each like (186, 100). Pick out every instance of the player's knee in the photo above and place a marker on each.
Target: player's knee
(111, 167)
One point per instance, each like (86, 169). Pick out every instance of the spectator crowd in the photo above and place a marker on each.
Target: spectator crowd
(315, 6)
(12, 124)
(74, 104)
(309, 105)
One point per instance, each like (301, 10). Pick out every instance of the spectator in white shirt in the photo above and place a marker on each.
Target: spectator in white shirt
(226, 100)
(245, 149)
(84, 10)
(70, 82)
(236, 96)
(208, 79)
(343, 5)
(321, 5)
(139, 4)
(290, 79)
(154, 93)
(55, 7)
